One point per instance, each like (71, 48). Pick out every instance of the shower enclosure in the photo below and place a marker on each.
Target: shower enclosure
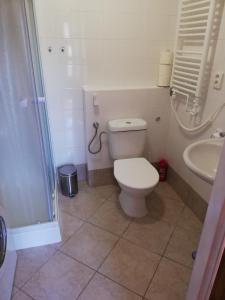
(27, 175)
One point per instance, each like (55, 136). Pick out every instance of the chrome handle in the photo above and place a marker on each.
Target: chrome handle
(3, 240)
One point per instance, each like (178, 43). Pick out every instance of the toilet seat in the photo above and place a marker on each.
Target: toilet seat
(136, 173)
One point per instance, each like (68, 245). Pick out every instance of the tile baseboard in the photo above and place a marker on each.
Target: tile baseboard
(191, 198)
(100, 177)
(81, 172)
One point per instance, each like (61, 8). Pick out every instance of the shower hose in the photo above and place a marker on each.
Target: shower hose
(96, 127)
(203, 125)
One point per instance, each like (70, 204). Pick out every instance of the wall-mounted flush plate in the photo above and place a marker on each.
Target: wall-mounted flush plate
(218, 80)
(95, 100)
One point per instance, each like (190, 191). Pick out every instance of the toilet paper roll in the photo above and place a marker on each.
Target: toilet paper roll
(164, 75)
(166, 57)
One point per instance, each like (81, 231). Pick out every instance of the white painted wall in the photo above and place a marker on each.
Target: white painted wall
(108, 43)
(178, 140)
(128, 103)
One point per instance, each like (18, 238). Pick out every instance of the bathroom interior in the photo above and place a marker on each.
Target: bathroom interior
(128, 96)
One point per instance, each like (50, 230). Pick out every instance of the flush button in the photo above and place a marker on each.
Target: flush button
(128, 122)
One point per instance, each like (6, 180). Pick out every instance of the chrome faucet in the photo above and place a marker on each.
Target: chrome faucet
(219, 133)
(222, 134)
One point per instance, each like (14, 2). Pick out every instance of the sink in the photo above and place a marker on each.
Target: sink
(202, 158)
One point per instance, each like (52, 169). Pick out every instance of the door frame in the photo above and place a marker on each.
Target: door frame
(212, 241)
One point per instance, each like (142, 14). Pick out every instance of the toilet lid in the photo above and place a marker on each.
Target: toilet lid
(135, 173)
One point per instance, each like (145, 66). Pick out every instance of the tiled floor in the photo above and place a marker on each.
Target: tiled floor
(106, 255)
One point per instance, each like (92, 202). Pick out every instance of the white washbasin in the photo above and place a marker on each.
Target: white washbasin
(202, 158)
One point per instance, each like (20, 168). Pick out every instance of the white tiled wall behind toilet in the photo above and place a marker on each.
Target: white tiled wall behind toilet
(150, 104)
(108, 43)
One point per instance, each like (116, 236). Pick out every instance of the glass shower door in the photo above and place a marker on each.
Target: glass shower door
(41, 103)
(25, 188)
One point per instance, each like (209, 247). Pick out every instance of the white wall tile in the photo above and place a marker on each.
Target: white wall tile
(91, 5)
(67, 25)
(145, 103)
(156, 27)
(71, 76)
(84, 24)
(107, 43)
(128, 6)
(121, 26)
(160, 7)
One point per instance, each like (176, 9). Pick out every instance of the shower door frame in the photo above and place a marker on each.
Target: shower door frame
(41, 109)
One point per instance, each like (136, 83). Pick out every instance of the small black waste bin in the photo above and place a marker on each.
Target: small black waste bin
(68, 180)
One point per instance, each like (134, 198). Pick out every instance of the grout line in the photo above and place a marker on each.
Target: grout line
(67, 239)
(120, 237)
(86, 285)
(77, 260)
(99, 272)
(88, 221)
(118, 283)
(102, 228)
(104, 202)
(178, 263)
(24, 292)
(69, 214)
(161, 258)
(114, 246)
(142, 247)
(85, 219)
(125, 230)
(98, 196)
(167, 244)
(98, 227)
(151, 280)
(38, 269)
(95, 271)
(163, 254)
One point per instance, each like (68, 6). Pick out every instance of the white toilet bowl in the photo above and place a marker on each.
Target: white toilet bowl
(137, 178)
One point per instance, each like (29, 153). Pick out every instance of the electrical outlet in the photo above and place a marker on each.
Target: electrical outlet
(218, 80)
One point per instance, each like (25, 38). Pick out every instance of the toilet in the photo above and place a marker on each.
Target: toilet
(135, 175)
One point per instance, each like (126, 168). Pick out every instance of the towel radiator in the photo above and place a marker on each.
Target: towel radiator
(196, 30)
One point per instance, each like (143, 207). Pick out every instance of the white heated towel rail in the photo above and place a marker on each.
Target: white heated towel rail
(195, 29)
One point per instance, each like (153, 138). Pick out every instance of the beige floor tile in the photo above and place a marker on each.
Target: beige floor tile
(163, 208)
(131, 266)
(111, 217)
(101, 288)
(150, 234)
(170, 282)
(19, 295)
(165, 190)
(82, 206)
(189, 221)
(29, 261)
(68, 225)
(62, 278)
(84, 187)
(90, 245)
(14, 290)
(106, 191)
(114, 196)
(181, 245)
